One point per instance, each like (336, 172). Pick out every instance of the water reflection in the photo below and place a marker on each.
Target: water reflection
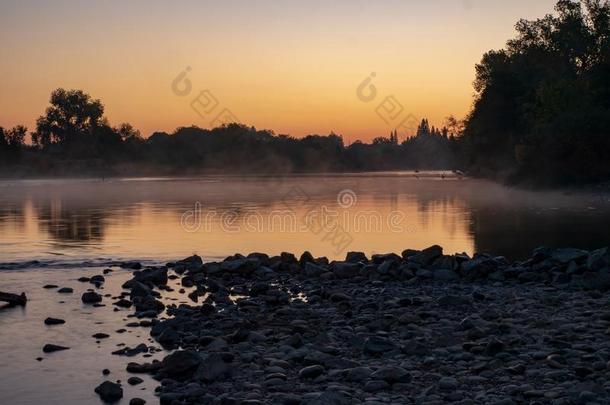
(145, 218)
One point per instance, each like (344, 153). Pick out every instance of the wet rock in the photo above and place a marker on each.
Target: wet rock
(123, 303)
(97, 279)
(109, 391)
(91, 297)
(134, 380)
(50, 348)
(54, 321)
(65, 290)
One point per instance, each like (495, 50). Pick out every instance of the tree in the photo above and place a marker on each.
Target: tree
(72, 114)
(15, 137)
(542, 107)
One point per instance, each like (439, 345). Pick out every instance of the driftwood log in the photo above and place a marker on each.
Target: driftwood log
(13, 299)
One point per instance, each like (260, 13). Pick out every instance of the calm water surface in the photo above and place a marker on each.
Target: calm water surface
(163, 219)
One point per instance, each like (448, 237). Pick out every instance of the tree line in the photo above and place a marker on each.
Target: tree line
(74, 134)
(541, 114)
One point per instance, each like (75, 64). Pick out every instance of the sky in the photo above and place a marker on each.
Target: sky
(296, 67)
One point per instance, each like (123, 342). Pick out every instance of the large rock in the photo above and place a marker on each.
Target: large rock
(313, 270)
(213, 368)
(355, 257)
(91, 297)
(154, 276)
(109, 391)
(345, 270)
(240, 265)
(428, 255)
(181, 364)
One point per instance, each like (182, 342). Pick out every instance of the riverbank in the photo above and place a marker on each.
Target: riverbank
(421, 327)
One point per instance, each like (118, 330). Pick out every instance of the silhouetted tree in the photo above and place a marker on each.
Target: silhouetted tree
(542, 110)
(72, 114)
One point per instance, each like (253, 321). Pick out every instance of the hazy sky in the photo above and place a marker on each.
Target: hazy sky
(290, 66)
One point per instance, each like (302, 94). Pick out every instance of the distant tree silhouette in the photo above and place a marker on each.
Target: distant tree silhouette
(74, 137)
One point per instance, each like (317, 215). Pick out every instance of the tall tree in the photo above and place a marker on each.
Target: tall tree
(71, 115)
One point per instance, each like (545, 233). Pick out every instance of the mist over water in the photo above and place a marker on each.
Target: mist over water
(159, 219)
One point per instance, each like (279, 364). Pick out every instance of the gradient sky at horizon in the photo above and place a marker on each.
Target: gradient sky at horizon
(290, 66)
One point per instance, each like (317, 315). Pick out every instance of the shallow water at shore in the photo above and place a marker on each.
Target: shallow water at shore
(69, 376)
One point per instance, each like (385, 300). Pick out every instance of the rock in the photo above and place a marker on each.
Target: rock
(567, 255)
(445, 275)
(97, 279)
(358, 374)
(306, 257)
(134, 380)
(392, 374)
(91, 297)
(137, 401)
(329, 397)
(376, 385)
(427, 256)
(53, 321)
(109, 391)
(50, 348)
(376, 345)
(100, 336)
(123, 303)
(311, 372)
(494, 347)
(153, 276)
(595, 280)
(105, 371)
(448, 384)
(65, 290)
(356, 257)
(213, 368)
(49, 286)
(180, 364)
(345, 270)
(453, 301)
(131, 265)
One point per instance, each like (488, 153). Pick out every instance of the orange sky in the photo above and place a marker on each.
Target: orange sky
(290, 66)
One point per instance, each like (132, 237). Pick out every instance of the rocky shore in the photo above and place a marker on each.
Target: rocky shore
(421, 328)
